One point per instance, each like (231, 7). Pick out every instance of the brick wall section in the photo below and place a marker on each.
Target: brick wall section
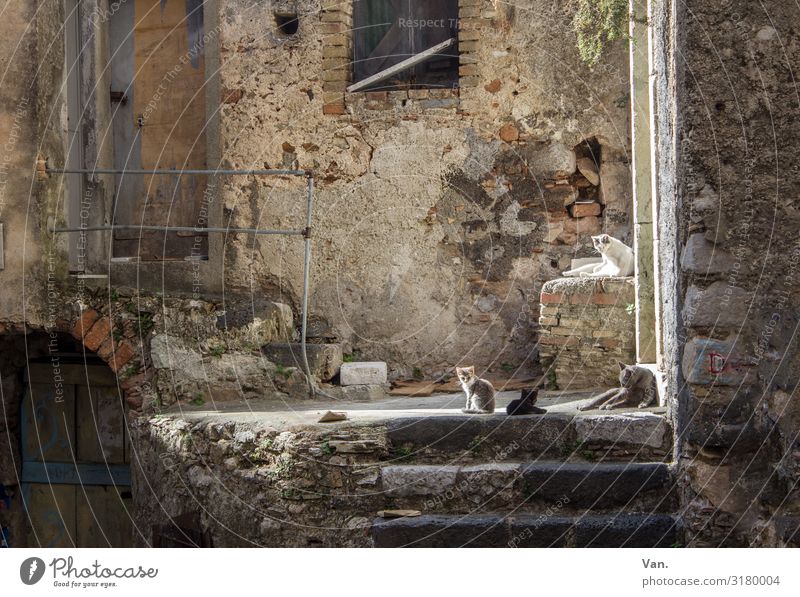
(337, 52)
(586, 326)
(475, 18)
(115, 340)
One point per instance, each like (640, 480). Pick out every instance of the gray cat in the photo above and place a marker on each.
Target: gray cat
(637, 384)
(480, 392)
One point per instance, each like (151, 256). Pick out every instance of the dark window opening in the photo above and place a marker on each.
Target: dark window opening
(387, 32)
(288, 24)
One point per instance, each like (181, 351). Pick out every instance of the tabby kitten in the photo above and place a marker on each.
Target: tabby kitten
(637, 384)
(480, 392)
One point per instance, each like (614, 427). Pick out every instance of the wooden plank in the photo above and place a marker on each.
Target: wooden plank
(48, 426)
(401, 66)
(100, 429)
(103, 518)
(100, 375)
(51, 511)
(71, 474)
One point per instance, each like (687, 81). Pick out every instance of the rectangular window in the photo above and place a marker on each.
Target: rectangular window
(387, 32)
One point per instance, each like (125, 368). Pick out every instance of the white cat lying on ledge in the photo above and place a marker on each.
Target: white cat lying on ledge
(617, 259)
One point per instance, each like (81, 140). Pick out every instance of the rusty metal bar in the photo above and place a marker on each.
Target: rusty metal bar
(181, 229)
(267, 172)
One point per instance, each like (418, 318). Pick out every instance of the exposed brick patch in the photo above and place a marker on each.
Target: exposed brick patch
(337, 22)
(231, 96)
(97, 335)
(547, 299)
(509, 133)
(84, 323)
(583, 210)
(493, 86)
(580, 299)
(123, 353)
(601, 298)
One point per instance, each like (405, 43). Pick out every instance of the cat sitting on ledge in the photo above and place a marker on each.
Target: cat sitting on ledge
(617, 260)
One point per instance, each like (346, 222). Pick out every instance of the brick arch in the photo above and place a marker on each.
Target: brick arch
(97, 333)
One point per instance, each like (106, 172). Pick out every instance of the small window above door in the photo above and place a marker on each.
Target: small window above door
(387, 32)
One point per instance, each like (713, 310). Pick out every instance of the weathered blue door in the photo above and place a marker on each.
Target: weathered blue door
(75, 455)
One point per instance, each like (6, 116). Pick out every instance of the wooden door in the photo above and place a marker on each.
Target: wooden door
(157, 59)
(75, 458)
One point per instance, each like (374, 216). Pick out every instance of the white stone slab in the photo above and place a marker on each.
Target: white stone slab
(362, 374)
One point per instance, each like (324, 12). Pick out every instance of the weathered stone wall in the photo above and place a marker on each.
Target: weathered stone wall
(438, 214)
(738, 172)
(587, 326)
(25, 86)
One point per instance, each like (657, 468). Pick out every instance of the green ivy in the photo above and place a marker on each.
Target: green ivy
(598, 23)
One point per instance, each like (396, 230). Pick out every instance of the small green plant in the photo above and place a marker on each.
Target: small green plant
(117, 334)
(261, 451)
(146, 322)
(598, 23)
(475, 443)
(283, 468)
(281, 370)
(114, 295)
(551, 379)
(348, 358)
(217, 351)
(507, 367)
(198, 400)
(402, 453)
(326, 448)
(630, 308)
(417, 373)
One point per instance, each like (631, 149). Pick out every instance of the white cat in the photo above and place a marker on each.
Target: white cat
(617, 260)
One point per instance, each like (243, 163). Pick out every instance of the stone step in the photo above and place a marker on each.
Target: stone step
(639, 436)
(531, 487)
(494, 530)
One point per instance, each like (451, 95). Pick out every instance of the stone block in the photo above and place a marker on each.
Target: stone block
(707, 361)
(550, 159)
(418, 480)
(363, 373)
(169, 352)
(624, 430)
(324, 360)
(583, 210)
(702, 257)
(720, 305)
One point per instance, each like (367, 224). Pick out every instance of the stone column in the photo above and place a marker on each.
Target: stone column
(643, 204)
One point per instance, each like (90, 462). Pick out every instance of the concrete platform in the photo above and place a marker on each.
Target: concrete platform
(286, 413)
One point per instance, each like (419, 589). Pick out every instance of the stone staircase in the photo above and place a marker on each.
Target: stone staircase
(541, 481)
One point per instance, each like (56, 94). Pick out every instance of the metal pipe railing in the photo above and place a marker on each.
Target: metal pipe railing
(305, 233)
(267, 172)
